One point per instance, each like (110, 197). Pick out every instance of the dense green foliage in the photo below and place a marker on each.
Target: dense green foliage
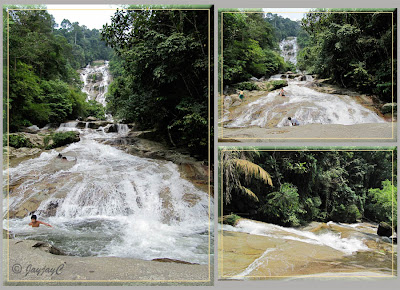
(352, 49)
(161, 73)
(341, 186)
(44, 84)
(283, 27)
(250, 48)
(60, 139)
(274, 85)
(85, 44)
(231, 219)
(17, 141)
(249, 86)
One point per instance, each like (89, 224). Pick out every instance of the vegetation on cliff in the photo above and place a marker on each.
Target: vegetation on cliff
(294, 187)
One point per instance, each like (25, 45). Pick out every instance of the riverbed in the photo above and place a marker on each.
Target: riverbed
(103, 202)
(255, 250)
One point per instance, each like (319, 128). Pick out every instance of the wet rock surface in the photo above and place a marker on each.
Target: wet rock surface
(384, 230)
(70, 270)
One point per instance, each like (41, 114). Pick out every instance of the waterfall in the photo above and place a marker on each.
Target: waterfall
(105, 202)
(289, 49)
(96, 89)
(306, 105)
(102, 201)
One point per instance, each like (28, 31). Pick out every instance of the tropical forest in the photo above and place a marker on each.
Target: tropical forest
(106, 143)
(334, 67)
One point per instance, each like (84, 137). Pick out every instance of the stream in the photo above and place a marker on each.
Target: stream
(262, 250)
(102, 201)
(301, 102)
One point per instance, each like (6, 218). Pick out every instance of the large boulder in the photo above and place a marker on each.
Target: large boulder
(91, 119)
(98, 124)
(384, 230)
(111, 128)
(32, 129)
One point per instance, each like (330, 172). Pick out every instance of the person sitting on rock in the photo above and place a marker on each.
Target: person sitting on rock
(294, 121)
(35, 223)
(282, 93)
(241, 95)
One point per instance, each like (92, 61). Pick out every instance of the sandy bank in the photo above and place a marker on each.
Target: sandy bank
(313, 132)
(24, 260)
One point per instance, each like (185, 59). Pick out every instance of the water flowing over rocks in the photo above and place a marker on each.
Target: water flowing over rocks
(116, 194)
(289, 49)
(95, 82)
(257, 250)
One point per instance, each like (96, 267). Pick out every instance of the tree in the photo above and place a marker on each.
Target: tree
(164, 84)
(352, 49)
(239, 170)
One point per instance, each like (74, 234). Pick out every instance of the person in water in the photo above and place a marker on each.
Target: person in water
(35, 223)
(241, 95)
(294, 121)
(282, 93)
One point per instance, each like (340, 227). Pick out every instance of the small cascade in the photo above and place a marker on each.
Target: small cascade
(69, 126)
(257, 249)
(329, 238)
(122, 129)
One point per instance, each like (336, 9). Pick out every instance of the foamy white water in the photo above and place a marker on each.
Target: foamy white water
(109, 203)
(289, 49)
(307, 106)
(330, 239)
(89, 85)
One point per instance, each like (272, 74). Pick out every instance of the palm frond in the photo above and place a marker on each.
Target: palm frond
(249, 168)
(248, 192)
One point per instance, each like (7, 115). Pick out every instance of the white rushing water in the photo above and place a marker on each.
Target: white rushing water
(102, 201)
(330, 238)
(304, 104)
(289, 49)
(109, 203)
(95, 82)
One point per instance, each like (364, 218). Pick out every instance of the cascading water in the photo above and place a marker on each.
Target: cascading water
(330, 239)
(109, 203)
(306, 105)
(102, 201)
(261, 250)
(95, 82)
(289, 49)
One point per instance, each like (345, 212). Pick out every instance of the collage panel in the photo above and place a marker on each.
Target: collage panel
(293, 213)
(307, 74)
(107, 165)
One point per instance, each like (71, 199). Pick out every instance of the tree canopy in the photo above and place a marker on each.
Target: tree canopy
(44, 85)
(249, 46)
(352, 48)
(313, 185)
(161, 72)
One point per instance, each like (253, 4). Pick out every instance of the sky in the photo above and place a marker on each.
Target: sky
(291, 13)
(93, 16)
